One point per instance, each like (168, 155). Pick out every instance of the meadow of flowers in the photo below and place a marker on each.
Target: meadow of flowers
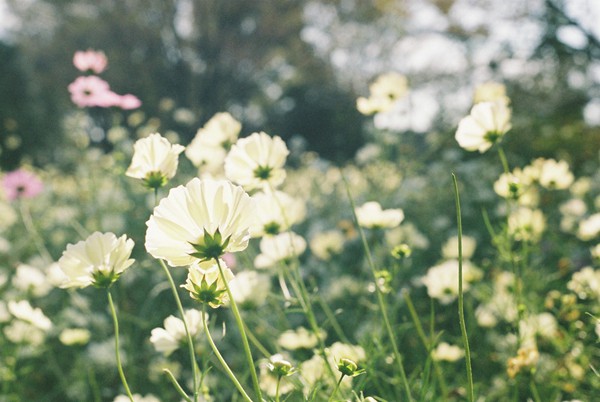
(236, 268)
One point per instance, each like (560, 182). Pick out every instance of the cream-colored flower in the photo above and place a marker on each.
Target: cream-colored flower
(281, 247)
(199, 221)
(209, 147)
(447, 352)
(205, 284)
(250, 288)
(99, 260)
(154, 160)
(442, 280)
(25, 312)
(326, 244)
(273, 369)
(276, 212)
(385, 91)
(371, 216)
(490, 92)
(137, 398)
(450, 248)
(74, 336)
(485, 125)
(585, 283)
(256, 162)
(300, 338)
(31, 279)
(526, 224)
(589, 228)
(555, 175)
(168, 339)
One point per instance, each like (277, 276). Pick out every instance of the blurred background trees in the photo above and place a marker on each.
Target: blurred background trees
(295, 68)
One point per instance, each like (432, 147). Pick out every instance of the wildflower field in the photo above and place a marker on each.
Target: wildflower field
(238, 266)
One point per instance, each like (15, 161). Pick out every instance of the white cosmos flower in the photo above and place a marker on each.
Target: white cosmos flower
(25, 312)
(205, 284)
(276, 212)
(442, 280)
(154, 160)
(486, 124)
(279, 248)
(99, 260)
(385, 91)
(447, 352)
(370, 215)
(209, 147)
(256, 162)
(526, 224)
(555, 175)
(199, 221)
(168, 339)
(250, 288)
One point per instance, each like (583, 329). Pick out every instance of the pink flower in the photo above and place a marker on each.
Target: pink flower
(129, 101)
(90, 91)
(90, 60)
(21, 184)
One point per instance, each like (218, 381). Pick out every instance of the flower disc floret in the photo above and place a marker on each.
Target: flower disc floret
(200, 221)
(99, 260)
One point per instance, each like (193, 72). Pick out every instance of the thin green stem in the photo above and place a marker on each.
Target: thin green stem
(534, 390)
(241, 328)
(503, 160)
(176, 385)
(187, 331)
(461, 311)
(277, 389)
(380, 300)
(31, 229)
(221, 359)
(337, 386)
(117, 352)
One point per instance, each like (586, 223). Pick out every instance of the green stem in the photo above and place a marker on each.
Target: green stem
(277, 389)
(534, 390)
(503, 160)
(380, 300)
(337, 386)
(176, 385)
(31, 229)
(118, 353)
(221, 359)
(187, 331)
(241, 327)
(461, 311)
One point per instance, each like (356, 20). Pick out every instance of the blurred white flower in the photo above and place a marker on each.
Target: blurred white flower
(555, 175)
(205, 284)
(256, 162)
(485, 125)
(31, 279)
(447, 352)
(450, 248)
(74, 336)
(25, 312)
(137, 398)
(99, 260)
(326, 244)
(274, 249)
(276, 212)
(154, 161)
(199, 221)
(269, 379)
(589, 228)
(385, 91)
(585, 283)
(209, 147)
(24, 332)
(543, 324)
(250, 288)
(526, 224)
(370, 216)
(300, 338)
(168, 339)
(490, 92)
(442, 280)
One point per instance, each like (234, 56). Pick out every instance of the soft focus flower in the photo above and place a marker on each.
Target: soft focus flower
(450, 248)
(555, 175)
(585, 283)
(589, 227)
(442, 280)
(23, 311)
(209, 147)
(543, 325)
(90, 60)
(486, 124)
(275, 370)
(281, 247)
(276, 212)
(527, 357)
(205, 284)
(128, 102)
(137, 398)
(526, 224)
(74, 336)
(21, 184)
(339, 351)
(154, 161)
(199, 221)
(9, 217)
(447, 352)
(31, 279)
(256, 162)
(168, 339)
(385, 91)
(300, 338)
(99, 260)
(325, 245)
(250, 289)
(91, 91)
(371, 216)
(490, 92)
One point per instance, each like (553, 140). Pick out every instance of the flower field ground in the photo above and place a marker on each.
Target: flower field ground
(237, 267)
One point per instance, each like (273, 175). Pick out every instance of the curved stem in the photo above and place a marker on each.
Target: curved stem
(220, 358)
(337, 386)
(187, 331)
(461, 310)
(118, 353)
(241, 327)
(176, 385)
(380, 300)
